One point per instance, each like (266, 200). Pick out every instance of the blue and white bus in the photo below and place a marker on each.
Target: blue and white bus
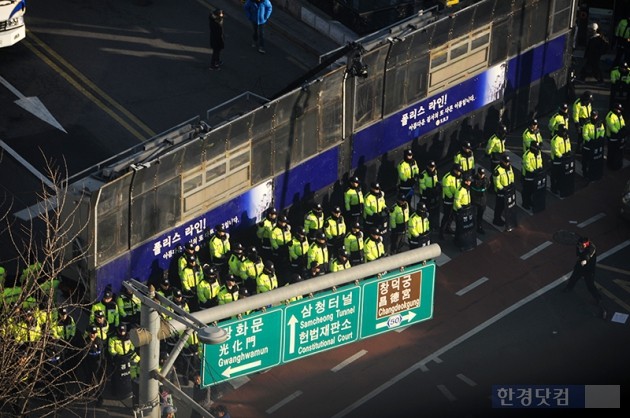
(424, 83)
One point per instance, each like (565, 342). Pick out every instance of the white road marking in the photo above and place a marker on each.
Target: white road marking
(348, 360)
(591, 220)
(421, 364)
(447, 393)
(466, 380)
(536, 250)
(472, 286)
(284, 402)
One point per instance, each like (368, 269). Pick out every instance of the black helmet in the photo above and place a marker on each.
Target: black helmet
(421, 208)
(243, 292)
(191, 258)
(295, 278)
(121, 328)
(431, 165)
(375, 231)
(587, 96)
(533, 122)
(317, 207)
(594, 115)
(505, 158)
(375, 186)
(238, 248)
(563, 107)
(481, 171)
(300, 231)
(466, 145)
(92, 329)
(320, 236)
(230, 278)
(282, 218)
(97, 314)
(467, 177)
(401, 197)
(356, 225)
(501, 129)
(354, 179)
(178, 294)
(190, 246)
(269, 265)
(343, 253)
(618, 107)
(252, 253)
(63, 310)
(336, 209)
(219, 228)
(209, 271)
(408, 153)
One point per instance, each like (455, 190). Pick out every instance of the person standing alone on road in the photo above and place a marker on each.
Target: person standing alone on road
(217, 42)
(258, 12)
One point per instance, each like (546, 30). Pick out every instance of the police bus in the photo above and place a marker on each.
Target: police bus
(425, 83)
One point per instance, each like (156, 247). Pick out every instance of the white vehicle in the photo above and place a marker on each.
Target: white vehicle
(12, 29)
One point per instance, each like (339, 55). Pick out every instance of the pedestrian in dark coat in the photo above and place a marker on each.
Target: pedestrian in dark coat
(585, 267)
(217, 42)
(596, 46)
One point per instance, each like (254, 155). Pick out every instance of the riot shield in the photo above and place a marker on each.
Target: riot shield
(121, 377)
(540, 191)
(566, 182)
(465, 230)
(509, 213)
(596, 168)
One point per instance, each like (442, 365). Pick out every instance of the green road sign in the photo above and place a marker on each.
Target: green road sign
(253, 345)
(397, 299)
(321, 323)
(328, 320)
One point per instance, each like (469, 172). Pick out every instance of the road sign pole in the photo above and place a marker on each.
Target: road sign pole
(149, 396)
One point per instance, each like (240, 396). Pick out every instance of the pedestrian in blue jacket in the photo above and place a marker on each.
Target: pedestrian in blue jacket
(258, 12)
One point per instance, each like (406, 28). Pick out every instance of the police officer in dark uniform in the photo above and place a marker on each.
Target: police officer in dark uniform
(585, 267)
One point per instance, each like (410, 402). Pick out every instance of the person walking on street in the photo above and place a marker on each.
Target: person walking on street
(585, 267)
(596, 46)
(217, 42)
(479, 196)
(258, 12)
(616, 135)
